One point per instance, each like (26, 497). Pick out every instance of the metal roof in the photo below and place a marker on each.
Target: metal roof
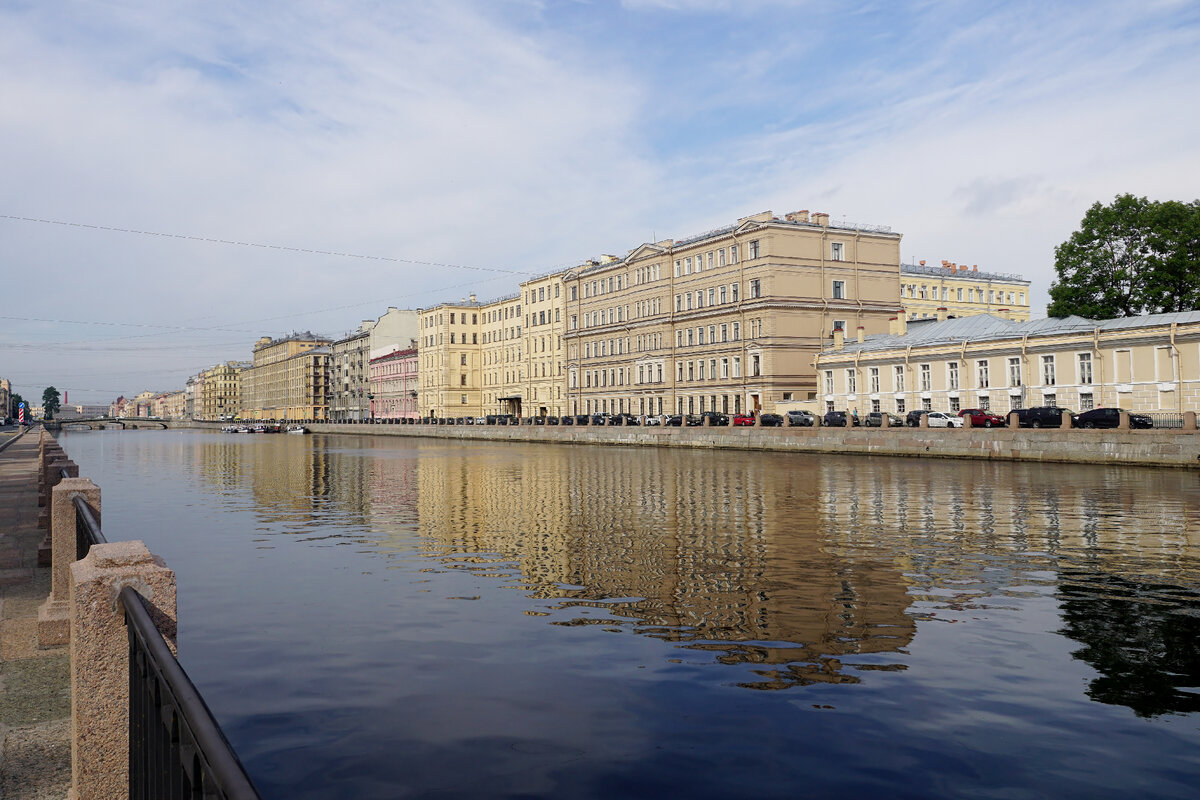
(985, 327)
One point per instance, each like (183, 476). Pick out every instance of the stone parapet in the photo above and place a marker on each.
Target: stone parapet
(100, 660)
(1168, 448)
(53, 615)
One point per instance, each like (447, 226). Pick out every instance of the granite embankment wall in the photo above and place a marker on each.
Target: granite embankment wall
(1163, 448)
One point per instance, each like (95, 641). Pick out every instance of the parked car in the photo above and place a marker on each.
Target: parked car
(599, 419)
(838, 419)
(1041, 417)
(583, 419)
(674, 420)
(743, 420)
(982, 419)
(804, 419)
(940, 419)
(655, 420)
(913, 418)
(1109, 418)
(875, 420)
(624, 419)
(567, 420)
(771, 421)
(714, 418)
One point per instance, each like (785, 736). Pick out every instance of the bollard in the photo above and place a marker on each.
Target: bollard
(53, 615)
(1122, 420)
(1066, 419)
(968, 420)
(923, 422)
(885, 421)
(1014, 420)
(1189, 421)
(100, 660)
(757, 419)
(706, 422)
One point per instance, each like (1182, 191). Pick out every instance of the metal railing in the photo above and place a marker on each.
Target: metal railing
(176, 747)
(1166, 419)
(87, 527)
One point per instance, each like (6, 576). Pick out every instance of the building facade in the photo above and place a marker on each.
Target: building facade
(393, 383)
(726, 321)
(962, 291)
(1148, 363)
(350, 398)
(288, 379)
(449, 359)
(220, 391)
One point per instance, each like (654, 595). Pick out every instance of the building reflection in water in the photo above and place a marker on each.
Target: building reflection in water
(808, 569)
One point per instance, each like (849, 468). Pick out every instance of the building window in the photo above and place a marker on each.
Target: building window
(837, 251)
(462, 380)
(737, 366)
(851, 381)
(753, 248)
(960, 294)
(982, 374)
(985, 402)
(839, 290)
(755, 365)
(755, 288)
(1050, 399)
(900, 407)
(1085, 368)
(873, 377)
(733, 256)
(839, 325)
(926, 404)
(926, 378)
(952, 376)
(898, 379)
(1047, 370)
(787, 396)
(1085, 402)
(954, 405)
(1014, 372)
(463, 359)
(464, 400)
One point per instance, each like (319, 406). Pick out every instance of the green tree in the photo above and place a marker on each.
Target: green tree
(50, 402)
(1132, 257)
(15, 403)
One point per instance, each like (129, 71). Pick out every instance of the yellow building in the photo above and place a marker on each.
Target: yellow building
(449, 377)
(543, 368)
(221, 390)
(1149, 363)
(728, 320)
(288, 379)
(962, 291)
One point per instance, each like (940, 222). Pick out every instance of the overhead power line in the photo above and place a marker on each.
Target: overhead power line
(284, 248)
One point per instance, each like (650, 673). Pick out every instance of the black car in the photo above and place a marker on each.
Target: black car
(913, 418)
(1109, 418)
(625, 419)
(714, 418)
(582, 419)
(599, 419)
(674, 420)
(838, 419)
(770, 420)
(1041, 417)
(801, 418)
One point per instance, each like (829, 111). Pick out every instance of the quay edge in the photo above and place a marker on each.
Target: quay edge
(1157, 448)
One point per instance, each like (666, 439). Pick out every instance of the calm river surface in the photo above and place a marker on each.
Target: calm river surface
(385, 617)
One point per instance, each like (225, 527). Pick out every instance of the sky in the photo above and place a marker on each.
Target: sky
(179, 179)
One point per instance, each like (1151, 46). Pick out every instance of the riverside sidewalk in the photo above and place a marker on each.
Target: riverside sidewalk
(35, 691)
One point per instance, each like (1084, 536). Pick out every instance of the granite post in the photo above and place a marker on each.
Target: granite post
(100, 660)
(53, 627)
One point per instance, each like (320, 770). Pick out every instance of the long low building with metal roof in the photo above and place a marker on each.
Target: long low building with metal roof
(1145, 363)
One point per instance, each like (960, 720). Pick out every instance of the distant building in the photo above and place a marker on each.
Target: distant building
(350, 391)
(6, 409)
(1148, 363)
(961, 291)
(220, 391)
(393, 384)
(288, 379)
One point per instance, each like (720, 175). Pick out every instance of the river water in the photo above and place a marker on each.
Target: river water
(386, 617)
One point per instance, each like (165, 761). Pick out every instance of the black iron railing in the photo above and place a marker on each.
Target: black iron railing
(176, 747)
(87, 527)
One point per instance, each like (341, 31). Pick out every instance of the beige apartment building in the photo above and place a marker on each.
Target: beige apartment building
(449, 372)
(1148, 363)
(962, 291)
(220, 391)
(728, 320)
(288, 379)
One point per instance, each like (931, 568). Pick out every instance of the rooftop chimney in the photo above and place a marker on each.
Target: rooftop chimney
(974, 268)
(901, 324)
(839, 339)
(821, 218)
(922, 262)
(1003, 313)
(862, 334)
(797, 216)
(941, 313)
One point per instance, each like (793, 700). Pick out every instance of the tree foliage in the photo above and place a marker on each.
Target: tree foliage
(15, 401)
(1134, 256)
(50, 402)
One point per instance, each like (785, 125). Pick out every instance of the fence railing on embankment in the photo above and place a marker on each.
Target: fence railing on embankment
(140, 727)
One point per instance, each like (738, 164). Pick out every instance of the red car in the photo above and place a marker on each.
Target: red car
(743, 419)
(982, 419)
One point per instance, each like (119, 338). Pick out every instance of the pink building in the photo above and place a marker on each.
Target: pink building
(392, 377)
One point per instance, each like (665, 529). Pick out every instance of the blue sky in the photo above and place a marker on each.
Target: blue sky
(512, 137)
